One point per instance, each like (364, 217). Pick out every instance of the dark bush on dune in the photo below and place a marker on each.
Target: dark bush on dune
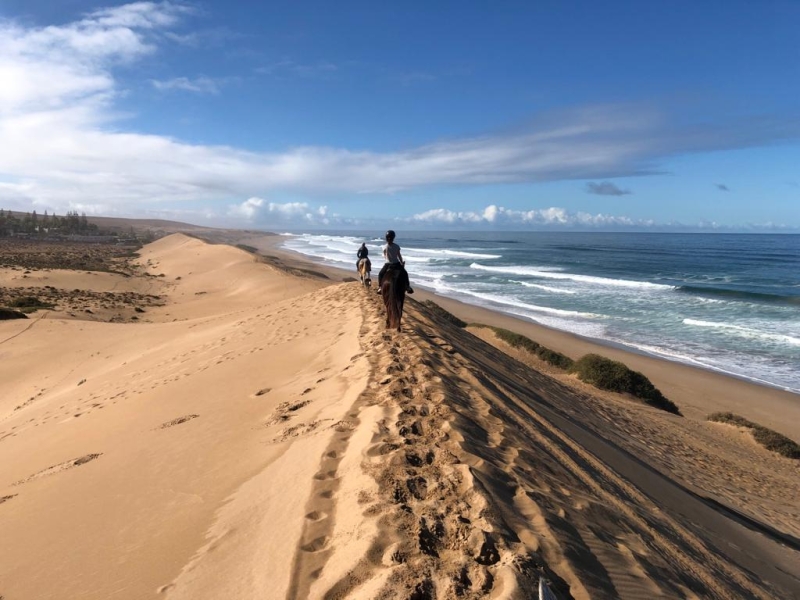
(7, 313)
(25, 302)
(443, 314)
(607, 374)
(28, 304)
(771, 440)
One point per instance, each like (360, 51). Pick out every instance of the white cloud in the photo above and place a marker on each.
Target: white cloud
(291, 67)
(247, 209)
(503, 217)
(298, 212)
(201, 85)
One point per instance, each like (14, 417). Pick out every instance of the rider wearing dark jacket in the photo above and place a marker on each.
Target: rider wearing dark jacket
(363, 252)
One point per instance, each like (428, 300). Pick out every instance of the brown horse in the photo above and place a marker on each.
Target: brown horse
(393, 290)
(364, 269)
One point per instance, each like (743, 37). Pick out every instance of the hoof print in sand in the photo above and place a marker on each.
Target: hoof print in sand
(282, 412)
(488, 553)
(296, 431)
(263, 391)
(418, 487)
(177, 421)
(429, 538)
(5, 499)
(60, 467)
(316, 545)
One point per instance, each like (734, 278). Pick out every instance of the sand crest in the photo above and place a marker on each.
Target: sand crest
(261, 435)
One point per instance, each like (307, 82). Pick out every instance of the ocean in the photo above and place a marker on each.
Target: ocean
(725, 302)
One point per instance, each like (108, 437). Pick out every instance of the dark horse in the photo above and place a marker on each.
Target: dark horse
(393, 290)
(364, 269)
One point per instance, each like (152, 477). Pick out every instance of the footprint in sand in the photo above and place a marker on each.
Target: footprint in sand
(315, 545)
(60, 467)
(177, 421)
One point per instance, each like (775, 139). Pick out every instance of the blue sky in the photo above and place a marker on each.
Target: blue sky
(545, 115)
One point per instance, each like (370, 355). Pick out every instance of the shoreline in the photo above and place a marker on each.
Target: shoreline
(698, 391)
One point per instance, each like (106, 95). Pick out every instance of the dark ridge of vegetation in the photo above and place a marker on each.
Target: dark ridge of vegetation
(607, 374)
(276, 262)
(516, 340)
(29, 304)
(7, 313)
(771, 440)
(444, 314)
(246, 248)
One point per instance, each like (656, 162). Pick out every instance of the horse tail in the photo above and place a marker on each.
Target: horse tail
(393, 293)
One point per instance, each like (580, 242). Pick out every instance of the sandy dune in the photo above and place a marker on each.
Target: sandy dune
(261, 435)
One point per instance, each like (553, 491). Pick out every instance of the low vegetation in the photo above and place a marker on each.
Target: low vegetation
(607, 374)
(443, 314)
(771, 440)
(596, 370)
(29, 304)
(515, 340)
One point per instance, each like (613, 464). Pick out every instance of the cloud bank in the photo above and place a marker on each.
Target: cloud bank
(606, 188)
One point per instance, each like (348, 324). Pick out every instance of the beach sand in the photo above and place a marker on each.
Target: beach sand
(256, 432)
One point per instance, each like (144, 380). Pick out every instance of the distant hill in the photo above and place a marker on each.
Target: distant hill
(117, 225)
(160, 225)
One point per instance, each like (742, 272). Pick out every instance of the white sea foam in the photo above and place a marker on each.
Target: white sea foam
(546, 288)
(733, 370)
(745, 331)
(439, 253)
(511, 301)
(552, 274)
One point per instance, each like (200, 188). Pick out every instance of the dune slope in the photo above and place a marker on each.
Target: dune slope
(263, 435)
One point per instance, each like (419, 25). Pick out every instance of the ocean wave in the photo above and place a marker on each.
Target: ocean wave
(543, 273)
(739, 294)
(732, 370)
(745, 331)
(546, 288)
(436, 253)
(510, 301)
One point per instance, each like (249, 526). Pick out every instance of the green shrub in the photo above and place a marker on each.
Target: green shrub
(29, 304)
(515, 340)
(25, 302)
(555, 358)
(769, 439)
(443, 314)
(607, 374)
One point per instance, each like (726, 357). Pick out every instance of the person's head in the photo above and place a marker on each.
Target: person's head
(363, 244)
(390, 236)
